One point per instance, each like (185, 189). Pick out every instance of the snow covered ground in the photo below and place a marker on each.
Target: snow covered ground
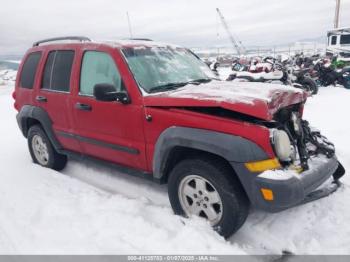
(7, 76)
(90, 209)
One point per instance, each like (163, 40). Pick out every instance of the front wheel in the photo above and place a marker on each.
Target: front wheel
(208, 188)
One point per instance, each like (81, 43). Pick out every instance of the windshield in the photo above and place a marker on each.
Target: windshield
(345, 39)
(163, 68)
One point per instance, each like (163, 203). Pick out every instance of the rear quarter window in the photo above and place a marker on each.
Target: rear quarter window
(29, 69)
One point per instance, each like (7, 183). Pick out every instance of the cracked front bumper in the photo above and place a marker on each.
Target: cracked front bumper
(291, 190)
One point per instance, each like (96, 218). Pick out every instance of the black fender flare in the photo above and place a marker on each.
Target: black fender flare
(40, 115)
(231, 148)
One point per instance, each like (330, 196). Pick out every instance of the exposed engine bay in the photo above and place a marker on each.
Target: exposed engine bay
(305, 140)
(294, 140)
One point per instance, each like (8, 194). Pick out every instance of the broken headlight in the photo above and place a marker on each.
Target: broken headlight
(282, 145)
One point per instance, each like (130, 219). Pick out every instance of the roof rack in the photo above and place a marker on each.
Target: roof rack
(78, 38)
(141, 39)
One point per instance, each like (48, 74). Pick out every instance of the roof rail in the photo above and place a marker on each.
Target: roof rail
(141, 39)
(78, 38)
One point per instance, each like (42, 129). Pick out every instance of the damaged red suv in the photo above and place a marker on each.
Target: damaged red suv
(157, 111)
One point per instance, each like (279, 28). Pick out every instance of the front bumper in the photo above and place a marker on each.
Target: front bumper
(290, 188)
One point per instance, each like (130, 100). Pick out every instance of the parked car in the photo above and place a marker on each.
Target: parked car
(157, 111)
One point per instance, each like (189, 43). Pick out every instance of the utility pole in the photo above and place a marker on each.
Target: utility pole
(129, 24)
(337, 11)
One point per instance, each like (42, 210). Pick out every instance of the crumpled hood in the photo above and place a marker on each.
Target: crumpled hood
(259, 100)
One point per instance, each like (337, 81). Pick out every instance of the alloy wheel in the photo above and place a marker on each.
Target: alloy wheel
(199, 197)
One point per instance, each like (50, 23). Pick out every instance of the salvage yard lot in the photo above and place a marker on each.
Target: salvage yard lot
(90, 209)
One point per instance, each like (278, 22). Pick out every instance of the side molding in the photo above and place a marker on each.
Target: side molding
(230, 147)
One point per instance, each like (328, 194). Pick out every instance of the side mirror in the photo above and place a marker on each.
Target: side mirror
(108, 93)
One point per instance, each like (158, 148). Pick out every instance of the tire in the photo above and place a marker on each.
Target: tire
(346, 83)
(310, 85)
(234, 202)
(231, 77)
(42, 151)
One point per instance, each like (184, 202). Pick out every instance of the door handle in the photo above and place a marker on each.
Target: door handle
(41, 99)
(84, 107)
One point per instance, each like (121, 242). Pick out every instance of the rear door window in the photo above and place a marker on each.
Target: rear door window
(47, 71)
(57, 70)
(30, 67)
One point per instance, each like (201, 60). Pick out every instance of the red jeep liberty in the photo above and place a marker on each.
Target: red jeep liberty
(156, 110)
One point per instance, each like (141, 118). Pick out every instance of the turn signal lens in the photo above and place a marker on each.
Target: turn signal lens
(267, 194)
(263, 165)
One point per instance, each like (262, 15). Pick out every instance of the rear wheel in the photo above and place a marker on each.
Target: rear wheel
(207, 187)
(42, 151)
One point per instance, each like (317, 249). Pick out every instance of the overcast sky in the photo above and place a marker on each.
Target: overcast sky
(191, 23)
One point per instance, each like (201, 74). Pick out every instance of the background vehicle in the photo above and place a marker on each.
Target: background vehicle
(269, 70)
(327, 73)
(339, 43)
(209, 140)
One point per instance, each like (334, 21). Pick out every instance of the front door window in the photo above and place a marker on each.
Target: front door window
(98, 68)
